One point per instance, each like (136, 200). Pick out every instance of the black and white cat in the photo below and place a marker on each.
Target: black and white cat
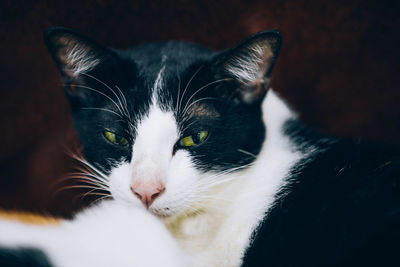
(208, 167)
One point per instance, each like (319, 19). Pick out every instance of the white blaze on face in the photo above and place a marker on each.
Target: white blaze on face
(156, 136)
(152, 151)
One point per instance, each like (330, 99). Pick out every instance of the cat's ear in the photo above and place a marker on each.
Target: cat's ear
(250, 64)
(74, 53)
(79, 61)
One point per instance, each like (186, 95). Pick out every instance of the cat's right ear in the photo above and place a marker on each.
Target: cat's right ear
(77, 57)
(74, 53)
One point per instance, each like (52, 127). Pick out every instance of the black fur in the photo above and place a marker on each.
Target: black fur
(23, 257)
(340, 208)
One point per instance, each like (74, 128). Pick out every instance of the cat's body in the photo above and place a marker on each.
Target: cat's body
(340, 206)
(193, 137)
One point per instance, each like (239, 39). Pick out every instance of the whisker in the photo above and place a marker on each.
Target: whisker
(101, 93)
(214, 180)
(89, 193)
(84, 178)
(125, 105)
(89, 165)
(99, 199)
(90, 174)
(190, 124)
(75, 187)
(206, 197)
(247, 152)
(202, 88)
(179, 90)
(104, 109)
(93, 193)
(187, 85)
(198, 100)
(108, 87)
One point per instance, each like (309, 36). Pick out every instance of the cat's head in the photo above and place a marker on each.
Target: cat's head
(162, 124)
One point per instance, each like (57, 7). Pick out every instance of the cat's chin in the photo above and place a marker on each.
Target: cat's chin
(168, 216)
(161, 213)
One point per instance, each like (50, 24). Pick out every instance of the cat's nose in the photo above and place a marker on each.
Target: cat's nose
(148, 192)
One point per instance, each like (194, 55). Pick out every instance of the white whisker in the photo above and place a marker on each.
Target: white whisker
(85, 177)
(190, 124)
(104, 109)
(101, 93)
(198, 100)
(187, 85)
(247, 153)
(125, 104)
(179, 90)
(215, 180)
(202, 88)
(109, 88)
(77, 186)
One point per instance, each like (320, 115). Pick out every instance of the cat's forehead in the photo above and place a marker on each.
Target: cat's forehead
(174, 59)
(179, 54)
(163, 70)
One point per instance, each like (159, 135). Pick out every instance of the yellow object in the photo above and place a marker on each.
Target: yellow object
(29, 218)
(203, 135)
(188, 141)
(115, 139)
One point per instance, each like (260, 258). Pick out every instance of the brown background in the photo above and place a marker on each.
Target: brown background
(338, 67)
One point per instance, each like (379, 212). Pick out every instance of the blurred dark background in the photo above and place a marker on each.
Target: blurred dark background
(339, 67)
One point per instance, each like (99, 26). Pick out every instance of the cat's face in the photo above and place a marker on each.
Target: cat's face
(166, 123)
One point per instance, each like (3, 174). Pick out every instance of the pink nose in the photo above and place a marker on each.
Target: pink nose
(148, 192)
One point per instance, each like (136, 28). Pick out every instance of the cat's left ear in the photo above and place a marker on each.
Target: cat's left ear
(250, 65)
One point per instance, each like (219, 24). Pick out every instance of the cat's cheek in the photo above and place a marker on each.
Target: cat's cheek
(119, 181)
(182, 180)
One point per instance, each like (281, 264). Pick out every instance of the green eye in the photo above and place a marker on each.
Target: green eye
(193, 140)
(115, 139)
(187, 141)
(203, 135)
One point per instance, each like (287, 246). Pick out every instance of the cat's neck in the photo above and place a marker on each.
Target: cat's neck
(223, 228)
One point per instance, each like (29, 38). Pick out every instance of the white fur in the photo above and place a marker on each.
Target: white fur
(111, 234)
(159, 79)
(80, 59)
(251, 64)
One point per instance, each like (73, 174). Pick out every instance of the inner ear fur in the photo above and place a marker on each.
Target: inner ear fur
(74, 53)
(250, 64)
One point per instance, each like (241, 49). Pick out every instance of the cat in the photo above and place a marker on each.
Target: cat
(196, 139)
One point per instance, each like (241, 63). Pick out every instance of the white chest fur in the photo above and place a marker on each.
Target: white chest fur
(220, 233)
